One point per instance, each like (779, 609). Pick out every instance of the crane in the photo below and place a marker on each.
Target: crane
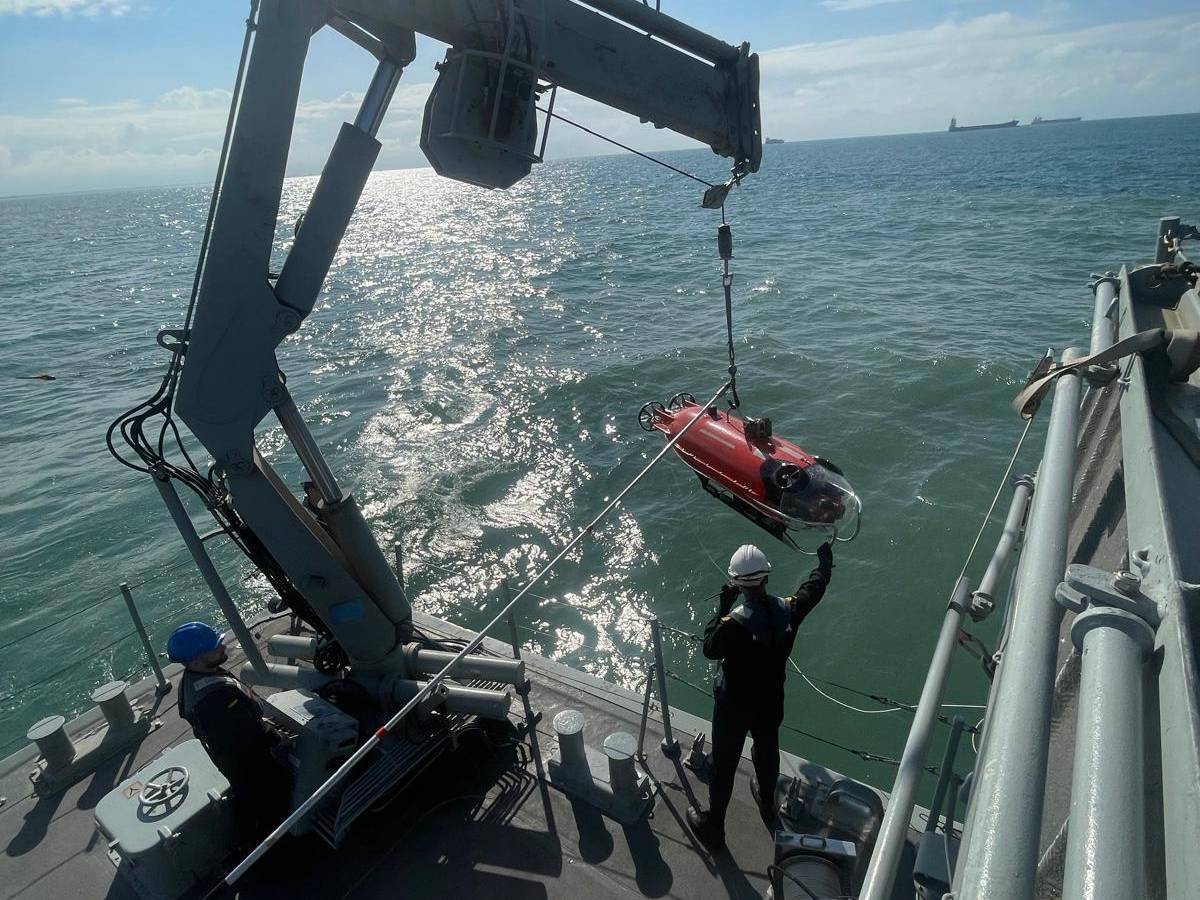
(480, 126)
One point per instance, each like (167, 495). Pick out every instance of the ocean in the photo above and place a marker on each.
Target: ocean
(475, 365)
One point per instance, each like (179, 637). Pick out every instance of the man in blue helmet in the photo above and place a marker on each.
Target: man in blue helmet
(228, 721)
(751, 635)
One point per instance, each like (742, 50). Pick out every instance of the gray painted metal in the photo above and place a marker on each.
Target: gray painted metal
(285, 677)
(670, 746)
(893, 833)
(983, 600)
(1106, 835)
(211, 577)
(293, 646)
(378, 96)
(483, 668)
(1162, 508)
(232, 379)
(457, 698)
(114, 704)
(306, 447)
(164, 686)
(315, 564)
(327, 217)
(608, 61)
(999, 855)
(678, 33)
(53, 742)
(365, 562)
(945, 776)
(1103, 326)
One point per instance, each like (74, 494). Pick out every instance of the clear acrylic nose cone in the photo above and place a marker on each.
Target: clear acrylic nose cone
(818, 497)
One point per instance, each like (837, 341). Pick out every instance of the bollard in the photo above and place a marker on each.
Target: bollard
(164, 686)
(620, 747)
(568, 728)
(114, 703)
(50, 735)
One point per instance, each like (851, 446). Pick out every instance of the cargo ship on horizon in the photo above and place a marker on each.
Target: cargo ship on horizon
(954, 126)
(1038, 120)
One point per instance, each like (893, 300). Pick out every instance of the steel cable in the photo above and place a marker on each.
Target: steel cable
(616, 143)
(166, 570)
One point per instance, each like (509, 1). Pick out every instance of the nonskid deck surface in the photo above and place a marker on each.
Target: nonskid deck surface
(478, 822)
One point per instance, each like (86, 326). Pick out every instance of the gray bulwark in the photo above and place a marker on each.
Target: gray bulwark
(1162, 497)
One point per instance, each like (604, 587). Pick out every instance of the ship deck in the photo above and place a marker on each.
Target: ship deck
(478, 822)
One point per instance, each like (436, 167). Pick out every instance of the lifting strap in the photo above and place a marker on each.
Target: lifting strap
(1182, 349)
(725, 248)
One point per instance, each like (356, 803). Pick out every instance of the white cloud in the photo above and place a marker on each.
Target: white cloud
(189, 98)
(987, 68)
(173, 138)
(63, 7)
(855, 5)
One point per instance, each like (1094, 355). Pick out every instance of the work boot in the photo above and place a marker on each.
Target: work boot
(707, 830)
(768, 809)
(770, 817)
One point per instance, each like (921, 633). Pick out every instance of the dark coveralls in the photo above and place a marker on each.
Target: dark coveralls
(228, 722)
(753, 641)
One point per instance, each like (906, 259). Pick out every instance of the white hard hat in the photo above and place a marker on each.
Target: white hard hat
(748, 566)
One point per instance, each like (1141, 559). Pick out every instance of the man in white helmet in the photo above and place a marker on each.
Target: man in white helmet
(752, 635)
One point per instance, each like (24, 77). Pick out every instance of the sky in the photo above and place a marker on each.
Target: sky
(101, 94)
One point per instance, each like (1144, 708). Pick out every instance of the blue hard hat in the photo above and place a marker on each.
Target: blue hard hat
(191, 640)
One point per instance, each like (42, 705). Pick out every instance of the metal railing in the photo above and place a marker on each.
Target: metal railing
(142, 630)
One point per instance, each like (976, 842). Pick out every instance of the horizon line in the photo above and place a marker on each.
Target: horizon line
(404, 168)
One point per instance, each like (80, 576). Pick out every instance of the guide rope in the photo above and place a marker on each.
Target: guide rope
(864, 755)
(1012, 461)
(891, 704)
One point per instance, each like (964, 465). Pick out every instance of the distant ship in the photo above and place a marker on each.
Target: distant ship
(774, 140)
(1038, 120)
(954, 126)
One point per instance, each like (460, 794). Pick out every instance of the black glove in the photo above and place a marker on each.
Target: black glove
(825, 557)
(729, 593)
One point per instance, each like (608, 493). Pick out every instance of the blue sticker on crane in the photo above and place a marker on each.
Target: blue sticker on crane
(350, 611)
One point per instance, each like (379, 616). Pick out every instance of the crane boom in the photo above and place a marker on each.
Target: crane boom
(504, 53)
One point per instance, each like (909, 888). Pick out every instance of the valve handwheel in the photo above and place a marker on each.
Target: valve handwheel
(164, 787)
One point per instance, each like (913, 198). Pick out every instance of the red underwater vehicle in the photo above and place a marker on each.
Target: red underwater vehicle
(767, 479)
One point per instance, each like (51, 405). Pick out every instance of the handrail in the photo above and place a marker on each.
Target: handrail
(430, 686)
(999, 848)
(881, 873)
